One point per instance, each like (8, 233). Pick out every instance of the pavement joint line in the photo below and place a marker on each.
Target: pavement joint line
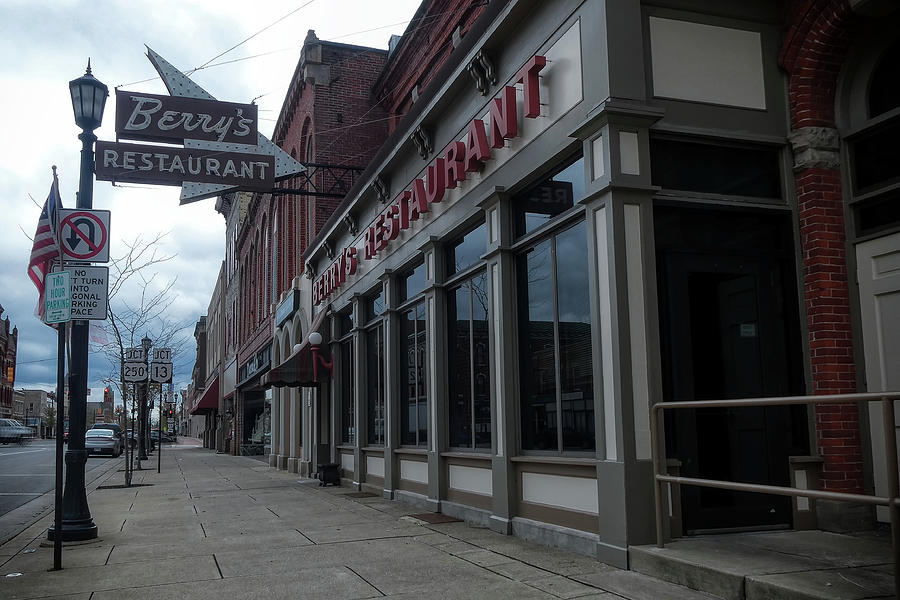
(374, 587)
(307, 538)
(218, 568)
(108, 556)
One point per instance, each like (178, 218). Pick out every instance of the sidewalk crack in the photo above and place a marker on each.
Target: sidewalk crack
(375, 587)
(218, 568)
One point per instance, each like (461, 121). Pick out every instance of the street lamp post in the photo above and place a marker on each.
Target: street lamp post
(146, 343)
(88, 101)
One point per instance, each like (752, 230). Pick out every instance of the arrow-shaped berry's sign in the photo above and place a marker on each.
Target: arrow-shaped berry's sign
(223, 150)
(171, 119)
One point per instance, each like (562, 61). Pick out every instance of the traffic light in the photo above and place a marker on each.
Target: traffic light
(170, 413)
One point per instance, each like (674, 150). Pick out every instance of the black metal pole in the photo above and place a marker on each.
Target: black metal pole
(159, 429)
(77, 524)
(60, 432)
(143, 446)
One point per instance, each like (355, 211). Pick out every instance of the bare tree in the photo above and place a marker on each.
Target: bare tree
(139, 305)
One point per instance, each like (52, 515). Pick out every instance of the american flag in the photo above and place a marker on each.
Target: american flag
(46, 247)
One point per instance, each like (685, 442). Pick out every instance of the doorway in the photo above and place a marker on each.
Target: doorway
(730, 329)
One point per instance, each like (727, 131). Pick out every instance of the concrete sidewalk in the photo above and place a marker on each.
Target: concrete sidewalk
(216, 526)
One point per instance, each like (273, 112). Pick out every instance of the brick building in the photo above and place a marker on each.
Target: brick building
(612, 205)
(330, 123)
(9, 338)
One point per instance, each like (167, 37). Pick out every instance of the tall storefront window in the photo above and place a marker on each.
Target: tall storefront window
(348, 381)
(555, 337)
(552, 196)
(374, 307)
(414, 385)
(469, 368)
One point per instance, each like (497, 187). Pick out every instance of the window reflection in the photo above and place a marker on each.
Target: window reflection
(414, 391)
(470, 403)
(555, 333)
(375, 385)
(467, 251)
(550, 197)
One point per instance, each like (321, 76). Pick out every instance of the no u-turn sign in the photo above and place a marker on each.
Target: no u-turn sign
(84, 234)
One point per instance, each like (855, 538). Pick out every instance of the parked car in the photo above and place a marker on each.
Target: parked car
(102, 441)
(166, 436)
(133, 440)
(13, 432)
(115, 428)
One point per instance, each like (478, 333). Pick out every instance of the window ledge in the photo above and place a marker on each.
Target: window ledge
(416, 451)
(555, 460)
(472, 455)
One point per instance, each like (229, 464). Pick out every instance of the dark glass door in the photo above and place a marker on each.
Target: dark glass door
(728, 313)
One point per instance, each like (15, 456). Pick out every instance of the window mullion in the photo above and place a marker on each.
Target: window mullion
(556, 357)
(472, 362)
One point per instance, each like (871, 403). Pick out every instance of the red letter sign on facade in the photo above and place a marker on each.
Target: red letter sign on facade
(528, 76)
(477, 149)
(504, 117)
(435, 181)
(454, 170)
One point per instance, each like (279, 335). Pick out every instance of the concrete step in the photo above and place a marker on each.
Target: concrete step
(636, 586)
(790, 565)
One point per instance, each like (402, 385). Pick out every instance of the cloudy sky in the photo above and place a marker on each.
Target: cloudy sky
(46, 44)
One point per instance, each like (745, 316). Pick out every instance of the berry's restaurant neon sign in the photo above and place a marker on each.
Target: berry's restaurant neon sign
(442, 174)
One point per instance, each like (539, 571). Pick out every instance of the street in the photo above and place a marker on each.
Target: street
(27, 472)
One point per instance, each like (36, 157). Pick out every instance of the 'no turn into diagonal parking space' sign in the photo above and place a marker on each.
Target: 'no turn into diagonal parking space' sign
(84, 234)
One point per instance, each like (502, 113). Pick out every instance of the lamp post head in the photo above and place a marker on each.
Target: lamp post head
(315, 338)
(88, 100)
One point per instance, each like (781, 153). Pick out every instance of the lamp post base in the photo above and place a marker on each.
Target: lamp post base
(77, 523)
(75, 531)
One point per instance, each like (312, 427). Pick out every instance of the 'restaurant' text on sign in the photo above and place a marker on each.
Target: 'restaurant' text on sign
(165, 165)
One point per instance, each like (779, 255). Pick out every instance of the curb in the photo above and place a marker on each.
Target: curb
(44, 504)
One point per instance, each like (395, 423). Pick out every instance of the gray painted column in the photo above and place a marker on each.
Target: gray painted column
(391, 385)
(359, 377)
(504, 359)
(625, 353)
(436, 341)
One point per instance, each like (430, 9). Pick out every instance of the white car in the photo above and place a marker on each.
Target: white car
(102, 441)
(13, 432)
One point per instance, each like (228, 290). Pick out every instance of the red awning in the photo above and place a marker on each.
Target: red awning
(209, 401)
(297, 369)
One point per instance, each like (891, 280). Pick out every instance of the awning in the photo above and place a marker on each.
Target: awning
(209, 401)
(297, 369)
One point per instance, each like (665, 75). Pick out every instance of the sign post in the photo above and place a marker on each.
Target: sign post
(134, 370)
(161, 372)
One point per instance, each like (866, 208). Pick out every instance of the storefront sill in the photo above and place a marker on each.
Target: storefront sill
(472, 455)
(373, 450)
(413, 451)
(555, 460)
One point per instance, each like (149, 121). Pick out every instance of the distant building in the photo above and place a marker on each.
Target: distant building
(9, 339)
(18, 406)
(35, 406)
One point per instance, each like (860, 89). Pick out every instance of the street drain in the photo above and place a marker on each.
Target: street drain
(435, 518)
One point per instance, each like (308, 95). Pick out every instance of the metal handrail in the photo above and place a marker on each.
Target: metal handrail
(892, 501)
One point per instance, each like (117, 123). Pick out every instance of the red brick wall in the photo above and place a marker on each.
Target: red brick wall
(426, 46)
(812, 54)
(337, 123)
